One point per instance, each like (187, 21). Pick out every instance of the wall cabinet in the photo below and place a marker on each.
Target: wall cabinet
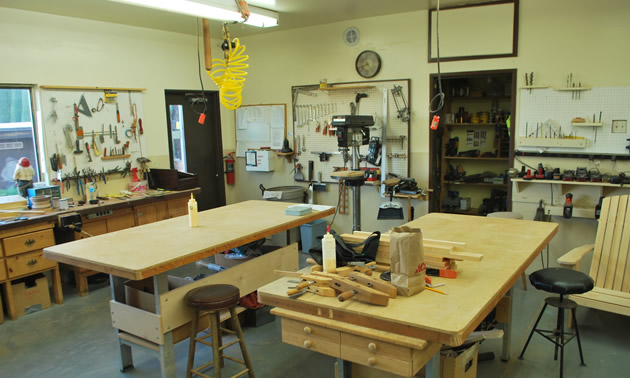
(472, 149)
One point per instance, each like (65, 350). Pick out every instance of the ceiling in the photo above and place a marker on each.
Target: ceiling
(293, 13)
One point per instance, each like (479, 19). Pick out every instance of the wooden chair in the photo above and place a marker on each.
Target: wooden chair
(610, 267)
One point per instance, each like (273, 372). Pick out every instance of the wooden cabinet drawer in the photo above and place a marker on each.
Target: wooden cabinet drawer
(28, 242)
(150, 213)
(377, 354)
(317, 339)
(177, 207)
(98, 227)
(3, 271)
(26, 263)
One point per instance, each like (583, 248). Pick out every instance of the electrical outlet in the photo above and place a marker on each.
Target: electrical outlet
(619, 126)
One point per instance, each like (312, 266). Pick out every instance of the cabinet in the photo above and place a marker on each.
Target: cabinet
(150, 213)
(473, 148)
(23, 256)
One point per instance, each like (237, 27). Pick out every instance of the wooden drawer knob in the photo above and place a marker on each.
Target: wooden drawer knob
(308, 343)
(371, 361)
(308, 330)
(372, 347)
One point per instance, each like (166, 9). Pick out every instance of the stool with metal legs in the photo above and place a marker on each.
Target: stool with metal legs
(213, 299)
(564, 282)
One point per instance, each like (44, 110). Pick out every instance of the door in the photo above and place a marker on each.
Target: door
(194, 147)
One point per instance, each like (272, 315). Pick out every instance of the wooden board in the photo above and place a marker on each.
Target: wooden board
(158, 247)
(471, 296)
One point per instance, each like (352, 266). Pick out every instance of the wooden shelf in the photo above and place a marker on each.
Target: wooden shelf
(468, 124)
(485, 98)
(561, 182)
(474, 158)
(473, 183)
(573, 89)
(93, 88)
(594, 124)
(534, 87)
(116, 157)
(552, 142)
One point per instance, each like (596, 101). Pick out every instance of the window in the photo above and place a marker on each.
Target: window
(17, 135)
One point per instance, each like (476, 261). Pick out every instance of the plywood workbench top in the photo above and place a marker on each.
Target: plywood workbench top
(508, 246)
(144, 251)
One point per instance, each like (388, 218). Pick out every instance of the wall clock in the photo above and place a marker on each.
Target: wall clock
(368, 64)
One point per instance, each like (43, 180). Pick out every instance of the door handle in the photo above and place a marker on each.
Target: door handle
(31, 262)
(29, 242)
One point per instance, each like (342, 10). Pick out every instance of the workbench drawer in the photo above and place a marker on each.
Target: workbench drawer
(377, 354)
(26, 263)
(28, 242)
(317, 339)
(3, 271)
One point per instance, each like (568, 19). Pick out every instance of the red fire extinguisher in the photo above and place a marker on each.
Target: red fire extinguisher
(229, 168)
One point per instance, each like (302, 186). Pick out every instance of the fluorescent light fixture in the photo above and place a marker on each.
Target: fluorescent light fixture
(211, 9)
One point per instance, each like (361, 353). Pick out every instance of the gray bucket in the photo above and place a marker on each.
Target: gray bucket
(295, 194)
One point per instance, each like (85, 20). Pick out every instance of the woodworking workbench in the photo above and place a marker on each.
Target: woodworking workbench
(508, 247)
(151, 250)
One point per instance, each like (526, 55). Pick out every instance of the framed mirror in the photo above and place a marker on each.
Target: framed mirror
(479, 31)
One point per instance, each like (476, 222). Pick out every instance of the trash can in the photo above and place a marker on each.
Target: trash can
(310, 232)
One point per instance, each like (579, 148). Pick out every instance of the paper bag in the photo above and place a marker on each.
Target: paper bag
(406, 255)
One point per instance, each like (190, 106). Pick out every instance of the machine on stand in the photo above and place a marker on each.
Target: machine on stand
(352, 131)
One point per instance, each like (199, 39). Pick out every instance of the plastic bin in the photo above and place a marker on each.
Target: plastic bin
(310, 232)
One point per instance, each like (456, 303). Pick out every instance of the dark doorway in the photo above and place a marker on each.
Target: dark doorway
(197, 148)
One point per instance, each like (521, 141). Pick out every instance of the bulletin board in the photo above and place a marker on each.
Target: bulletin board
(546, 112)
(61, 135)
(260, 126)
(313, 110)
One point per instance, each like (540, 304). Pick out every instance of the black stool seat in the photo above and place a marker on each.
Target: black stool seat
(213, 297)
(561, 281)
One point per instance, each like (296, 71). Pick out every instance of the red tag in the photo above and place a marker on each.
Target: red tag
(421, 268)
(202, 118)
(436, 121)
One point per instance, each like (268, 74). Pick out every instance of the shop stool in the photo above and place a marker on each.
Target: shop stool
(213, 299)
(564, 282)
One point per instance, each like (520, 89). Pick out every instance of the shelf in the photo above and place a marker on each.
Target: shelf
(573, 89)
(474, 158)
(595, 124)
(349, 87)
(115, 157)
(534, 87)
(578, 212)
(476, 124)
(473, 183)
(486, 98)
(565, 186)
(577, 142)
(471, 211)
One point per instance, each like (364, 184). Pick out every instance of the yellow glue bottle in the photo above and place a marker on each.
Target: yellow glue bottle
(329, 252)
(192, 212)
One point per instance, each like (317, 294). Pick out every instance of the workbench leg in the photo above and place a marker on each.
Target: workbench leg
(8, 294)
(344, 368)
(507, 330)
(409, 217)
(117, 286)
(167, 354)
(81, 282)
(432, 368)
(56, 281)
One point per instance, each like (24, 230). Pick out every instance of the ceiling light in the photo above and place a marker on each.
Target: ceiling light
(211, 9)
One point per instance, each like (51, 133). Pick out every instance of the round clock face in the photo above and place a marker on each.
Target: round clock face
(368, 64)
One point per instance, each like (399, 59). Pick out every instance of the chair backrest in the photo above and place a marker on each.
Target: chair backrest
(610, 268)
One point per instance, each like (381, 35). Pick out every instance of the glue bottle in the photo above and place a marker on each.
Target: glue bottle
(329, 252)
(192, 212)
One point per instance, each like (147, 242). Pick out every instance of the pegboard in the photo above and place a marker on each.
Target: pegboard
(554, 109)
(312, 113)
(57, 115)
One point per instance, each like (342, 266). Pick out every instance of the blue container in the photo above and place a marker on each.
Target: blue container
(310, 232)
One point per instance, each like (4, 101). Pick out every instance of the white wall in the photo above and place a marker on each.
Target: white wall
(556, 37)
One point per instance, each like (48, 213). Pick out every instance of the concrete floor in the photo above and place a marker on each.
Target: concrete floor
(76, 340)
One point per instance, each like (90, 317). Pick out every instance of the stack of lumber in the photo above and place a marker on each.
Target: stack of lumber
(438, 254)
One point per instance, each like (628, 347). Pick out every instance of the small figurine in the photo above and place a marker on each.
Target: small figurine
(23, 176)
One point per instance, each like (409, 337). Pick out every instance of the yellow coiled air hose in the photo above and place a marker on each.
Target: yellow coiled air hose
(229, 74)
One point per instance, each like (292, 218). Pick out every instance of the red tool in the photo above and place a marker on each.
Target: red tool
(435, 122)
(529, 175)
(77, 128)
(567, 212)
(140, 125)
(135, 174)
(117, 113)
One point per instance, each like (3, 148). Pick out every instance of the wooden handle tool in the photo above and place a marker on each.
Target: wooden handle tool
(346, 295)
(374, 283)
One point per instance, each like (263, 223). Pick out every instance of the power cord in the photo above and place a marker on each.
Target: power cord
(341, 184)
(203, 96)
(440, 94)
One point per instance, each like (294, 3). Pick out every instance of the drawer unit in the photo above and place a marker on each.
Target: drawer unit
(377, 354)
(315, 338)
(26, 263)
(3, 271)
(177, 207)
(28, 242)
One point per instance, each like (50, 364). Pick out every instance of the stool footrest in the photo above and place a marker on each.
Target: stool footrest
(229, 344)
(234, 359)
(552, 334)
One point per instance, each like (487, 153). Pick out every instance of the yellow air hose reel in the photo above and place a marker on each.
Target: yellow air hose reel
(229, 73)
